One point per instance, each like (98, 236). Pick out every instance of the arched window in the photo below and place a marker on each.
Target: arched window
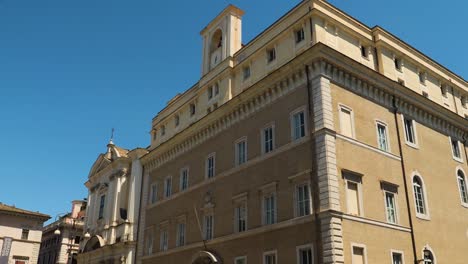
(462, 187)
(428, 257)
(216, 40)
(419, 196)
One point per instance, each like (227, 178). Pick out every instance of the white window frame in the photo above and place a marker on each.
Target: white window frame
(340, 117)
(205, 226)
(292, 125)
(263, 138)
(153, 198)
(425, 216)
(268, 253)
(381, 123)
(296, 198)
(245, 69)
(347, 175)
(238, 204)
(275, 208)
(364, 251)
(395, 199)
(102, 210)
(267, 51)
(164, 239)
(298, 250)
(427, 247)
(149, 241)
(167, 191)
(244, 258)
(211, 155)
(459, 159)
(181, 175)
(415, 132)
(296, 31)
(393, 251)
(237, 160)
(180, 234)
(459, 169)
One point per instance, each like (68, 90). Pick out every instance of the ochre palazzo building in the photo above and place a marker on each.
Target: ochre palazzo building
(322, 140)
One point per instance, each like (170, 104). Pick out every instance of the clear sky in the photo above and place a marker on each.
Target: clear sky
(72, 70)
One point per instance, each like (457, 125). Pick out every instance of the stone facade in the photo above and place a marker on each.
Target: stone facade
(61, 239)
(20, 235)
(110, 229)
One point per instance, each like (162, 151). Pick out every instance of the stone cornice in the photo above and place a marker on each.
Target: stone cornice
(320, 60)
(372, 85)
(237, 109)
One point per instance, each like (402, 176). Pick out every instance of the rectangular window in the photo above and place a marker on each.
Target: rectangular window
(102, 204)
(164, 240)
(422, 77)
(240, 260)
(210, 92)
(352, 195)
(397, 258)
(192, 109)
(358, 255)
(180, 234)
(299, 35)
(163, 130)
(184, 178)
(304, 255)
(455, 149)
(241, 151)
(154, 193)
(269, 258)
(303, 200)
(353, 192)
(208, 227)
(210, 166)
(149, 243)
(167, 187)
(298, 125)
(269, 209)
(25, 234)
(398, 63)
(246, 73)
(176, 120)
(267, 140)
(346, 122)
(271, 55)
(390, 207)
(240, 217)
(410, 133)
(216, 88)
(364, 52)
(382, 136)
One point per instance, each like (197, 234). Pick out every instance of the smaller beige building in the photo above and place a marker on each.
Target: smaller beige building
(61, 239)
(20, 235)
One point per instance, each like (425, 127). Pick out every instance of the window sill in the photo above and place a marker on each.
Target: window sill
(464, 205)
(457, 159)
(423, 217)
(413, 145)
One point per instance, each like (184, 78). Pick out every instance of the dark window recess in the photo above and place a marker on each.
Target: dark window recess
(123, 213)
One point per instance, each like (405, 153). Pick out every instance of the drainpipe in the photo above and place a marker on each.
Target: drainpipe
(314, 178)
(137, 235)
(402, 161)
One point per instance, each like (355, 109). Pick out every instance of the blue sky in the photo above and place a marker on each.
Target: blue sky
(72, 70)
